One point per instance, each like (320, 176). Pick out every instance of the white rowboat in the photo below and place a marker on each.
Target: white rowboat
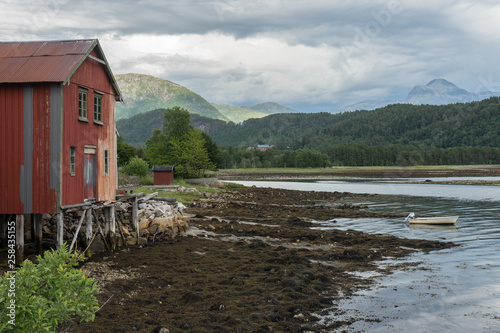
(443, 220)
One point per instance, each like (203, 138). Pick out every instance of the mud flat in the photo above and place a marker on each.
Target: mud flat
(250, 263)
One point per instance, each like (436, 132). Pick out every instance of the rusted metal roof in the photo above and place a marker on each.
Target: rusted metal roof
(47, 61)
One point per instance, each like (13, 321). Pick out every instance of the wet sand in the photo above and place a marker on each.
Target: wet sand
(250, 263)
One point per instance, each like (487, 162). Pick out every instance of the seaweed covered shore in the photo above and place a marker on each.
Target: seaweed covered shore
(250, 263)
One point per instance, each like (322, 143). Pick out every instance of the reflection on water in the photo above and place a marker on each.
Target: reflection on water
(455, 290)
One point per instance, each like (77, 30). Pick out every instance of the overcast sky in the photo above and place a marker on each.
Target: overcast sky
(311, 55)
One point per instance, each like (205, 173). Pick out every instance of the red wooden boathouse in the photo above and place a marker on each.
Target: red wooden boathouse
(57, 125)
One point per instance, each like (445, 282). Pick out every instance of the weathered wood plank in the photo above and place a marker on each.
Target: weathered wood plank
(88, 232)
(109, 228)
(59, 230)
(19, 239)
(135, 220)
(77, 230)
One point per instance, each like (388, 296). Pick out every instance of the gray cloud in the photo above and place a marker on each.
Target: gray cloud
(314, 55)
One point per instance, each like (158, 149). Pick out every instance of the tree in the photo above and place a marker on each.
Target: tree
(124, 150)
(176, 122)
(157, 148)
(212, 150)
(189, 155)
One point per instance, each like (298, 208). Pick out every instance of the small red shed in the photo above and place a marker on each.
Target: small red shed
(163, 174)
(57, 125)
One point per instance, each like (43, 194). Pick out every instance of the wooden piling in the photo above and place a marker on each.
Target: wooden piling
(135, 220)
(37, 221)
(88, 231)
(77, 230)
(109, 228)
(19, 239)
(59, 230)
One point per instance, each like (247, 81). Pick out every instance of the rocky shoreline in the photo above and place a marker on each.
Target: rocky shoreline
(249, 262)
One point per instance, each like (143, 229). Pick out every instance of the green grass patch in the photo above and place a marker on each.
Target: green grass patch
(185, 197)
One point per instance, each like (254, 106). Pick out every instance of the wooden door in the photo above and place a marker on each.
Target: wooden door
(89, 175)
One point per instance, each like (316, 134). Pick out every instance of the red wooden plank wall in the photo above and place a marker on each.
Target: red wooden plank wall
(11, 148)
(44, 198)
(90, 75)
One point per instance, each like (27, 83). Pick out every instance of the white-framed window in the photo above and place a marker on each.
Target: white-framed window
(97, 108)
(72, 161)
(106, 162)
(82, 104)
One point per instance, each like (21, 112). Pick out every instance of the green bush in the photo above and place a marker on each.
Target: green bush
(137, 167)
(47, 294)
(147, 180)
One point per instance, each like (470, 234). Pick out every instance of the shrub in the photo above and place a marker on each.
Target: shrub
(48, 294)
(137, 167)
(147, 180)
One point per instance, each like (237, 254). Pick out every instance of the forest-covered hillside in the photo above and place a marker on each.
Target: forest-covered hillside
(452, 125)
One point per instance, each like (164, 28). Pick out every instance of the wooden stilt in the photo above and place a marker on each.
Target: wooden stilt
(77, 231)
(88, 231)
(59, 230)
(36, 220)
(100, 230)
(120, 228)
(135, 220)
(109, 228)
(3, 230)
(19, 239)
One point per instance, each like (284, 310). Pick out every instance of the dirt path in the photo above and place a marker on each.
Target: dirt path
(249, 264)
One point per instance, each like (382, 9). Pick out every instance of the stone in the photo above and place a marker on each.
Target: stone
(131, 240)
(126, 233)
(163, 223)
(159, 212)
(144, 224)
(143, 240)
(152, 229)
(143, 232)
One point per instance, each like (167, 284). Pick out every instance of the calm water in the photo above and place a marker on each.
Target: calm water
(459, 289)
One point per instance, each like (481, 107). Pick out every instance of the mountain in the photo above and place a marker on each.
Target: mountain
(236, 114)
(436, 92)
(371, 104)
(144, 93)
(269, 108)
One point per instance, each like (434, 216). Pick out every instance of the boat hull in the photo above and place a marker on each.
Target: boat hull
(442, 220)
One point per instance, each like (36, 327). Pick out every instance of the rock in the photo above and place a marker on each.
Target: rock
(163, 223)
(143, 232)
(131, 240)
(159, 212)
(143, 240)
(126, 233)
(144, 224)
(163, 330)
(152, 229)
